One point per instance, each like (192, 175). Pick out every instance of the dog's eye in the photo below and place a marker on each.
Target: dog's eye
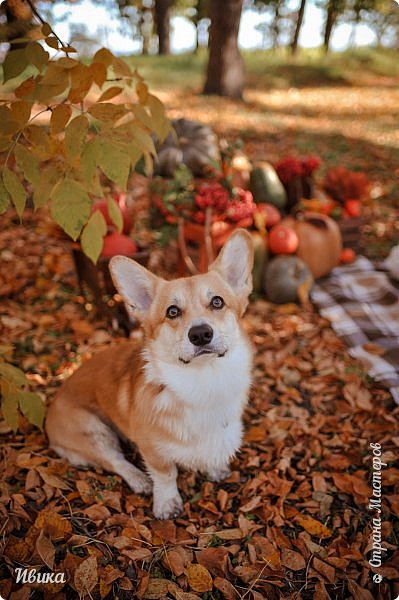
(172, 312)
(217, 302)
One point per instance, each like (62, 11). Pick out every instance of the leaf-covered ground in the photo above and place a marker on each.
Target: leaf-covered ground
(293, 520)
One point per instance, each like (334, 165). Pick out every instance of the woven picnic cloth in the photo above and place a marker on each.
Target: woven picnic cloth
(363, 307)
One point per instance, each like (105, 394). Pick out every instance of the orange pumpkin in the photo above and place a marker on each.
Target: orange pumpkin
(320, 241)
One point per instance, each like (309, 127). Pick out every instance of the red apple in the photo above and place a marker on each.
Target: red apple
(118, 243)
(120, 198)
(283, 240)
(270, 213)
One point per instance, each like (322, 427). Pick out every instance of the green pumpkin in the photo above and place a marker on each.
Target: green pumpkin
(266, 186)
(283, 277)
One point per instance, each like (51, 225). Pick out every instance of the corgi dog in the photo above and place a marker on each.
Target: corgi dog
(180, 396)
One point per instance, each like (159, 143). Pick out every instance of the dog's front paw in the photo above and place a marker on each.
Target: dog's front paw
(167, 508)
(140, 483)
(218, 474)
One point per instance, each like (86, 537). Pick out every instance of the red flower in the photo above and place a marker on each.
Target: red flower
(310, 164)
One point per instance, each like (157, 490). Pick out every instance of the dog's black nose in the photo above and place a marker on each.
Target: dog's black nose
(200, 335)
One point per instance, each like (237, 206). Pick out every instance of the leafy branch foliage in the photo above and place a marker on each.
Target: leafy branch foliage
(64, 137)
(14, 396)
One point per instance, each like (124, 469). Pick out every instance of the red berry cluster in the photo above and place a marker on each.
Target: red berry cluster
(290, 167)
(213, 194)
(242, 206)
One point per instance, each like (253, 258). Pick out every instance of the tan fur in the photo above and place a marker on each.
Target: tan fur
(125, 390)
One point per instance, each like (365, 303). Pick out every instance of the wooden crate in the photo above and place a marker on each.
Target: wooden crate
(351, 231)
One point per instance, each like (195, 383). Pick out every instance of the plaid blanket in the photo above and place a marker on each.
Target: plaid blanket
(363, 307)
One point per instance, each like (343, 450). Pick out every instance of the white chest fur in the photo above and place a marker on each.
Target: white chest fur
(213, 392)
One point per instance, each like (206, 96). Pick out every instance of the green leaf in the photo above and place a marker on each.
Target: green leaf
(115, 213)
(4, 198)
(32, 407)
(14, 64)
(70, 207)
(89, 161)
(143, 139)
(115, 164)
(9, 408)
(36, 55)
(42, 191)
(160, 123)
(75, 136)
(28, 163)
(12, 374)
(92, 239)
(16, 190)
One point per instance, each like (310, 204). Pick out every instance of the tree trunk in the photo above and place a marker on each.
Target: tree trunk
(330, 22)
(162, 18)
(225, 72)
(298, 26)
(276, 26)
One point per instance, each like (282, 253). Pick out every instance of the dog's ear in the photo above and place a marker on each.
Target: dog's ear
(235, 262)
(135, 283)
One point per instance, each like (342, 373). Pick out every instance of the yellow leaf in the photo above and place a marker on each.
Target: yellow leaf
(70, 207)
(199, 578)
(107, 111)
(28, 163)
(4, 198)
(92, 239)
(75, 136)
(36, 55)
(103, 56)
(39, 140)
(115, 164)
(16, 190)
(121, 68)
(53, 524)
(86, 576)
(21, 112)
(14, 64)
(110, 93)
(313, 526)
(32, 406)
(52, 42)
(160, 123)
(46, 29)
(42, 191)
(67, 63)
(26, 88)
(8, 125)
(99, 72)
(115, 213)
(142, 92)
(59, 118)
(51, 479)
(9, 408)
(81, 82)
